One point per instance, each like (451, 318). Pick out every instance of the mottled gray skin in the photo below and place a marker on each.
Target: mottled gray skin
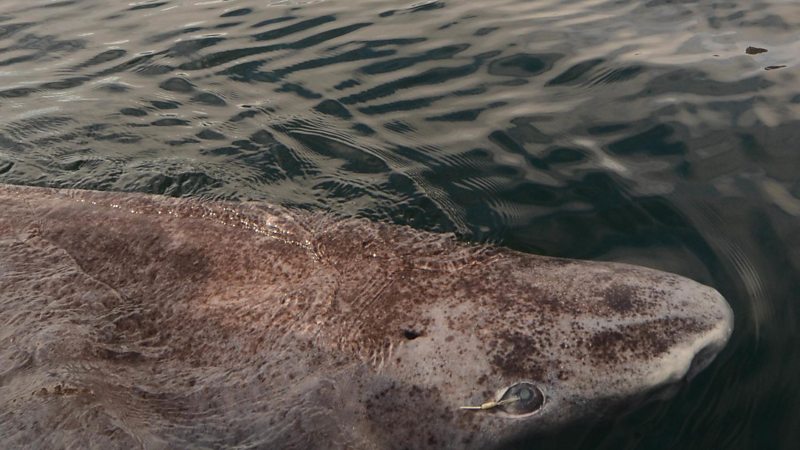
(130, 320)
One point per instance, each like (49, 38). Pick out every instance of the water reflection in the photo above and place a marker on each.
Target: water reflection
(635, 131)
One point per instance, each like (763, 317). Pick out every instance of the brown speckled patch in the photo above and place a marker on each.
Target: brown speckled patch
(621, 299)
(396, 408)
(641, 341)
(520, 356)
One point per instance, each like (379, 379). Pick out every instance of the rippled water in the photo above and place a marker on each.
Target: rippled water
(636, 131)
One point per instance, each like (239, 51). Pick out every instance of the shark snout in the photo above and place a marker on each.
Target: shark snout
(717, 332)
(705, 322)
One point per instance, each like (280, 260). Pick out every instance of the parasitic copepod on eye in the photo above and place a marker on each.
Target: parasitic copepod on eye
(520, 399)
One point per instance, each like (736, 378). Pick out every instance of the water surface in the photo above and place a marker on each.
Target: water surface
(634, 131)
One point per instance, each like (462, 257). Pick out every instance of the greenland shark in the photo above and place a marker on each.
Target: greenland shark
(138, 321)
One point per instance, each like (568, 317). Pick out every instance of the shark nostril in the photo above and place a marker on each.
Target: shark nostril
(701, 360)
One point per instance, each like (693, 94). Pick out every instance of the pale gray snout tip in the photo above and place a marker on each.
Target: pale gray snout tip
(707, 324)
(719, 329)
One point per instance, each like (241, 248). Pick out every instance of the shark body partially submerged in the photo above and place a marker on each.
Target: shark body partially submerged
(129, 320)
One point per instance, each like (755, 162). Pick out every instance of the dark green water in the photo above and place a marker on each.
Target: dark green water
(635, 131)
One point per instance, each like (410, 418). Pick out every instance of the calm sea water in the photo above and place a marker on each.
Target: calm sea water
(635, 131)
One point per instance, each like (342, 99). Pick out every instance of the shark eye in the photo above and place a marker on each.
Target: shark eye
(522, 398)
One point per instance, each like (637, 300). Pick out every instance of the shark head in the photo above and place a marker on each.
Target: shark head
(492, 352)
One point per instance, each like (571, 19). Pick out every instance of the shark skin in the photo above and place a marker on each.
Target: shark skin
(138, 321)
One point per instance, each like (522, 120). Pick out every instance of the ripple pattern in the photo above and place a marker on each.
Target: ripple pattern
(639, 131)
